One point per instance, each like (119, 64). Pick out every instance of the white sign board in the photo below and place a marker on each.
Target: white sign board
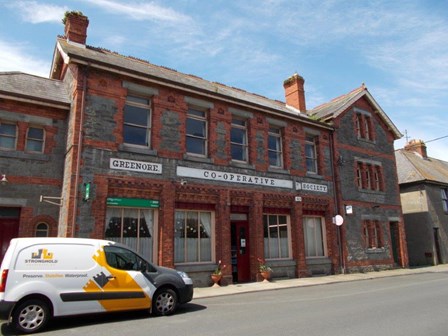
(214, 175)
(311, 187)
(136, 166)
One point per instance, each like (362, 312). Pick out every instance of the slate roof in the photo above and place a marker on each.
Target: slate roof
(131, 66)
(413, 168)
(335, 107)
(26, 86)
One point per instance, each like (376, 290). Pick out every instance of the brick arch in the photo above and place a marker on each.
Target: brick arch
(52, 224)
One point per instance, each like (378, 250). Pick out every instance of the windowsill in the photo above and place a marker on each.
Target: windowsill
(23, 155)
(239, 164)
(366, 140)
(368, 191)
(278, 170)
(373, 250)
(197, 158)
(199, 267)
(314, 175)
(138, 150)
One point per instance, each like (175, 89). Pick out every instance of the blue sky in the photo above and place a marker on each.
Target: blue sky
(399, 48)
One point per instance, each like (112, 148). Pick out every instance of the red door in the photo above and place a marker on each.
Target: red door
(9, 228)
(240, 252)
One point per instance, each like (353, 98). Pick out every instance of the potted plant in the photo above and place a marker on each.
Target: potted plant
(217, 273)
(264, 269)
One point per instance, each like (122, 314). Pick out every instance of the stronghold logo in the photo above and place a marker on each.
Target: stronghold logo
(42, 256)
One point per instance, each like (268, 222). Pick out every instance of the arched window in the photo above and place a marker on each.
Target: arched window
(42, 230)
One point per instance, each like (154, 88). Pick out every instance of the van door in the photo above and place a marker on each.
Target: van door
(124, 282)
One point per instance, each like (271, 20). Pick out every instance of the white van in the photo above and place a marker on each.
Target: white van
(46, 277)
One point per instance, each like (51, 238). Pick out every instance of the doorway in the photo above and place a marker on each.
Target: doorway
(395, 245)
(240, 251)
(9, 228)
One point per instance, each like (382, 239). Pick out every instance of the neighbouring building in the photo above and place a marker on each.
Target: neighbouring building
(189, 172)
(424, 198)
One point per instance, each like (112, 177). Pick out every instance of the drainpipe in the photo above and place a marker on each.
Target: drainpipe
(335, 174)
(78, 156)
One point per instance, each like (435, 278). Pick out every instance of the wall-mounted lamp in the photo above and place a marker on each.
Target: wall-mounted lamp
(4, 180)
(183, 182)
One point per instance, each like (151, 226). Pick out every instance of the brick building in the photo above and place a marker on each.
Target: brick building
(189, 172)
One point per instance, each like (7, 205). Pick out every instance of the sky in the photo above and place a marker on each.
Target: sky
(398, 48)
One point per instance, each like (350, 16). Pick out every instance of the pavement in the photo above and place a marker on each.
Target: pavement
(206, 292)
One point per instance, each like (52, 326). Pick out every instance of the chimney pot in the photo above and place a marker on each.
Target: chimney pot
(76, 27)
(294, 92)
(417, 146)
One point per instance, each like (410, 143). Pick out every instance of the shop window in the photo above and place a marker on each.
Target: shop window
(35, 140)
(444, 193)
(193, 236)
(42, 230)
(276, 236)
(8, 136)
(314, 231)
(132, 227)
(311, 154)
(275, 151)
(137, 121)
(238, 140)
(196, 132)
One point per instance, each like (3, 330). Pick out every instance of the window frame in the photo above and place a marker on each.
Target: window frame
(45, 230)
(275, 132)
(444, 196)
(35, 140)
(245, 145)
(9, 136)
(323, 232)
(312, 141)
(203, 139)
(144, 107)
(268, 254)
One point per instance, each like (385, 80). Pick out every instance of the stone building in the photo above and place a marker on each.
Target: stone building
(424, 198)
(191, 172)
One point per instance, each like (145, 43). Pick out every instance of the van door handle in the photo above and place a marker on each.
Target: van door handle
(110, 277)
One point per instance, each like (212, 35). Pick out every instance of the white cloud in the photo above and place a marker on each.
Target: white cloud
(15, 58)
(141, 11)
(34, 12)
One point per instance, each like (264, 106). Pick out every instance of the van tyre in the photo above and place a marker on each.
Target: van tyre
(165, 302)
(31, 316)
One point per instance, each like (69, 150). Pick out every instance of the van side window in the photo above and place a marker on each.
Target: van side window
(123, 259)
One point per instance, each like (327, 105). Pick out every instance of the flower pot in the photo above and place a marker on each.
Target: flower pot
(266, 275)
(216, 278)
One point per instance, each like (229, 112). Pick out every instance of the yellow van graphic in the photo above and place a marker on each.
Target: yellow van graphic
(42, 254)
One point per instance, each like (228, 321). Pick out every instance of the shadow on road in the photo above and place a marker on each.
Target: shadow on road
(72, 322)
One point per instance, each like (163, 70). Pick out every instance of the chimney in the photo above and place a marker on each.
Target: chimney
(417, 146)
(294, 92)
(76, 27)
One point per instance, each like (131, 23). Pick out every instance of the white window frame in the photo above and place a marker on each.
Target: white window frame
(267, 253)
(200, 115)
(323, 233)
(147, 127)
(311, 141)
(275, 133)
(244, 146)
(39, 228)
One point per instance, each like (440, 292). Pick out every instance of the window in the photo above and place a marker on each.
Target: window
(444, 193)
(276, 236)
(311, 154)
(314, 232)
(363, 126)
(372, 234)
(238, 140)
(275, 147)
(42, 230)
(35, 139)
(192, 236)
(137, 121)
(8, 136)
(359, 175)
(132, 227)
(369, 176)
(196, 132)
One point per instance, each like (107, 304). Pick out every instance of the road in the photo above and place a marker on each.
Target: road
(404, 305)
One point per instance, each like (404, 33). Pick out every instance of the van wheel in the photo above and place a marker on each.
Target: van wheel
(165, 302)
(31, 316)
